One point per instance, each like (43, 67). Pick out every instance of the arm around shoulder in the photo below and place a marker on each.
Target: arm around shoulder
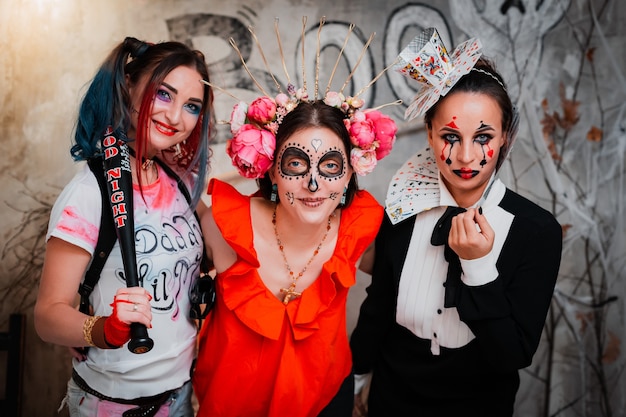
(217, 249)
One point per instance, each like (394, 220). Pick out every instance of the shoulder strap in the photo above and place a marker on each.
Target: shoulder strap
(204, 264)
(203, 291)
(106, 238)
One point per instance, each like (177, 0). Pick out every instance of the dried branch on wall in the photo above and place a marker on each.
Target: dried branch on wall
(23, 251)
(570, 159)
(577, 151)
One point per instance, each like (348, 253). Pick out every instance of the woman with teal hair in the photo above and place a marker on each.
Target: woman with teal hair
(151, 98)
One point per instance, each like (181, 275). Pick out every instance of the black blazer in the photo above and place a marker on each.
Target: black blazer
(506, 315)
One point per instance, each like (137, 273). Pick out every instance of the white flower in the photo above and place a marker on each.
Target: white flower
(238, 117)
(334, 99)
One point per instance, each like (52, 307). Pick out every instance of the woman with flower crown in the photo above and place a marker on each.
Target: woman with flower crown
(275, 343)
(464, 268)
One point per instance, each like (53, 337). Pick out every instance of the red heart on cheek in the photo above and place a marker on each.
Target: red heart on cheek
(490, 153)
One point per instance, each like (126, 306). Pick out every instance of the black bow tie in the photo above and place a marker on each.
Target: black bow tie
(440, 237)
(442, 228)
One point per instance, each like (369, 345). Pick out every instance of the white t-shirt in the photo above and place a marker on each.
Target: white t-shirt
(168, 243)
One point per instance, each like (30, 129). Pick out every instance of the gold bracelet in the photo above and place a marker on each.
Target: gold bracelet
(87, 327)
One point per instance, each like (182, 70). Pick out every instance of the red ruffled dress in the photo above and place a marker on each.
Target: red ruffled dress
(259, 357)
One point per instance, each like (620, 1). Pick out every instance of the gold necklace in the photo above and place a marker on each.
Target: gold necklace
(291, 293)
(146, 164)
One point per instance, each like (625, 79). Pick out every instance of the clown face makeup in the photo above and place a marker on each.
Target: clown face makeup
(466, 137)
(312, 171)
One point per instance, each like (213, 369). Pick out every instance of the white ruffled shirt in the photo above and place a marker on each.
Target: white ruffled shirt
(421, 291)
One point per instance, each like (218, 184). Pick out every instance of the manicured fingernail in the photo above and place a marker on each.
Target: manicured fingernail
(480, 210)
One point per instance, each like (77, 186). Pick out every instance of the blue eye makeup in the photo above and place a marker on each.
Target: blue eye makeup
(193, 108)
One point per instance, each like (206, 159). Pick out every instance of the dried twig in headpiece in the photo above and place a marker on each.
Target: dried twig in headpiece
(267, 67)
(317, 56)
(280, 48)
(245, 66)
(332, 74)
(358, 62)
(304, 18)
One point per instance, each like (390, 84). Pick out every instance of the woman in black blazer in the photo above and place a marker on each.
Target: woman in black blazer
(464, 268)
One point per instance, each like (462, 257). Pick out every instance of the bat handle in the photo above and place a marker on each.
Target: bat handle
(140, 342)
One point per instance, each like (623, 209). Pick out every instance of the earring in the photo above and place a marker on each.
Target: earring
(178, 151)
(343, 197)
(274, 195)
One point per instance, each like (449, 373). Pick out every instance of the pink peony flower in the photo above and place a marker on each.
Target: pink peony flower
(252, 151)
(262, 110)
(363, 161)
(361, 132)
(358, 116)
(385, 130)
(238, 117)
(384, 148)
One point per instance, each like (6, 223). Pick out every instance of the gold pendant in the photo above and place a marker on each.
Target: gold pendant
(290, 293)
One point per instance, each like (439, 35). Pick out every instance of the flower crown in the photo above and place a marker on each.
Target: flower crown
(254, 126)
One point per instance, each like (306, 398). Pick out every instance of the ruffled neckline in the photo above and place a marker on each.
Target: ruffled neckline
(242, 288)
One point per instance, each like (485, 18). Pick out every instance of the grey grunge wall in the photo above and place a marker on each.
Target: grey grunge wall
(565, 67)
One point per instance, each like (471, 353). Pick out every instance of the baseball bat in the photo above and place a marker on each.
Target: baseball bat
(119, 181)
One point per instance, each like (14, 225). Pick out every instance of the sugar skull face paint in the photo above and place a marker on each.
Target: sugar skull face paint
(466, 136)
(299, 161)
(311, 171)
